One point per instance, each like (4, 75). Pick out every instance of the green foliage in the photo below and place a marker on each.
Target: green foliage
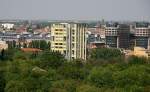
(130, 79)
(51, 59)
(105, 56)
(50, 72)
(134, 75)
(137, 60)
(26, 78)
(2, 81)
(105, 53)
(29, 29)
(8, 54)
(11, 44)
(41, 44)
(71, 70)
(65, 85)
(88, 88)
(20, 55)
(101, 77)
(36, 72)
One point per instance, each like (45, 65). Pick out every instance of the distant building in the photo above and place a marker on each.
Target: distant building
(24, 37)
(101, 30)
(3, 45)
(21, 29)
(98, 30)
(69, 39)
(138, 51)
(111, 33)
(117, 35)
(124, 36)
(95, 41)
(142, 35)
(97, 44)
(8, 26)
(43, 30)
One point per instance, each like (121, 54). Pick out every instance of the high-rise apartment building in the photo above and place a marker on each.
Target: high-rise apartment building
(69, 39)
(111, 34)
(142, 35)
(117, 35)
(124, 36)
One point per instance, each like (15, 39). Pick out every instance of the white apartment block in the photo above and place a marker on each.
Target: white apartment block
(69, 39)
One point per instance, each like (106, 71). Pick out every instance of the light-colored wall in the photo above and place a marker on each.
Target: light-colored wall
(61, 30)
(3, 45)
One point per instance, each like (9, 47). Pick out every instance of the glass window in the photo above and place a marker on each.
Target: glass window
(73, 52)
(72, 38)
(64, 38)
(72, 45)
(64, 51)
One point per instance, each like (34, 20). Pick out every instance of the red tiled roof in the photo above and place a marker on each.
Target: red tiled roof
(30, 49)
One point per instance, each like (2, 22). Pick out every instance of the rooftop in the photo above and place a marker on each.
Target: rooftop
(30, 50)
(142, 24)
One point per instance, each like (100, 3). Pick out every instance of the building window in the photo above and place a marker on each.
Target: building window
(64, 38)
(72, 38)
(60, 44)
(73, 58)
(56, 43)
(56, 33)
(60, 30)
(73, 31)
(72, 52)
(72, 45)
(64, 51)
(53, 38)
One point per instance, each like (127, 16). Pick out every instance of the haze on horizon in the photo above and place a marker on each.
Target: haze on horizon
(133, 10)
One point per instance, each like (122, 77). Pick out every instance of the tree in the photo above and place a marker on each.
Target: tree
(14, 44)
(2, 81)
(20, 55)
(49, 72)
(15, 86)
(21, 76)
(2, 54)
(88, 88)
(24, 45)
(105, 53)
(65, 85)
(19, 45)
(101, 77)
(41, 44)
(133, 75)
(51, 59)
(137, 60)
(44, 45)
(49, 45)
(72, 71)
(9, 53)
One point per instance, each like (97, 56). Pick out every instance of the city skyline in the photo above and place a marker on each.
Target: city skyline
(118, 10)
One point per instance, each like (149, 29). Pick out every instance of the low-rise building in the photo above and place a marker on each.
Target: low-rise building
(3, 45)
(7, 25)
(142, 35)
(138, 51)
(111, 33)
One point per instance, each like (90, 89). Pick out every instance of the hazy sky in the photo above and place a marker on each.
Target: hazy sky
(75, 9)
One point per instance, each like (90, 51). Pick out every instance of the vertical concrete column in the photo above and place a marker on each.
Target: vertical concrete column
(148, 46)
(117, 42)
